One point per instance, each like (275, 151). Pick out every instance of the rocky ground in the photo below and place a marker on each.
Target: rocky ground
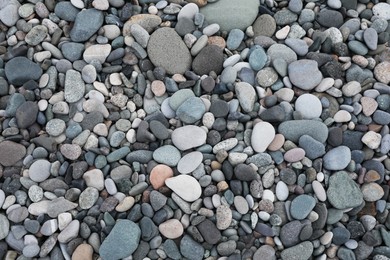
(220, 129)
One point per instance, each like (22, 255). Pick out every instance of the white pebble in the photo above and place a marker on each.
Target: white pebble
(268, 195)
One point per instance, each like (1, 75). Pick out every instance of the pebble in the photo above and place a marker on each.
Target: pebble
(349, 196)
(187, 187)
(262, 135)
(228, 14)
(171, 55)
(309, 106)
(337, 158)
(301, 251)
(171, 229)
(87, 23)
(20, 70)
(170, 129)
(189, 162)
(11, 153)
(122, 241)
(298, 70)
(294, 129)
(39, 170)
(301, 206)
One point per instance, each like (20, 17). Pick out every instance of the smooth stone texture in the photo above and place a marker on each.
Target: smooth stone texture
(301, 206)
(337, 158)
(301, 251)
(39, 170)
(191, 249)
(313, 148)
(171, 229)
(382, 10)
(191, 110)
(210, 58)
(263, 134)
(122, 241)
(167, 154)
(187, 187)
(11, 153)
(277, 51)
(230, 14)
(246, 95)
(166, 49)
(309, 106)
(294, 129)
(298, 71)
(74, 86)
(87, 23)
(19, 70)
(4, 226)
(343, 192)
(188, 137)
(189, 162)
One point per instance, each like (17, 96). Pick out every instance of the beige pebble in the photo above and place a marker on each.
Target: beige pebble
(125, 204)
(115, 79)
(372, 139)
(158, 88)
(171, 229)
(369, 105)
(342, 116)
(101, 4)
(83, 251)
(277, 143)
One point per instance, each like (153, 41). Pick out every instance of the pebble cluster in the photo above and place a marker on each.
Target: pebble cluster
(172, 129)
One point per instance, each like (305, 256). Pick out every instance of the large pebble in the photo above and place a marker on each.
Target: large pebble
(298, 71)
(230, 14)
(122, 241)
(262, 135)
(187, 187)
(188, 137)
(343, 192)
(166, 49)
(337, 158)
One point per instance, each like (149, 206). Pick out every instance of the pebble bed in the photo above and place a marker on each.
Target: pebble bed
(219, 129)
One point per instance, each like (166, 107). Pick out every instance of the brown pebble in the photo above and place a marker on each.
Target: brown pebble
(222, 186)
(277, 143)
(217, 40)
(159, 174)
(158, 88)
(83, 251)
(369, 105)
(372, 176)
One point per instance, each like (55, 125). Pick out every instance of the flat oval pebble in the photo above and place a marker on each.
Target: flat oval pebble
(171, 229)
(187, 187)
(189, 162)
(228, 14)
(262, 135)
(301, 206)
(168, 155)
(298, 71)
(170, 54)
(337, 158)
(39, 170)
(309, 106)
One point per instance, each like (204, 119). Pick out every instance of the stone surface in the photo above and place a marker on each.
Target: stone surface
(122, 241)
(230, 15)
(187, 187)
(298, 71)
(19, 70)
(262, 135)
(11, 153)
(166, 49)
(343, 192)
